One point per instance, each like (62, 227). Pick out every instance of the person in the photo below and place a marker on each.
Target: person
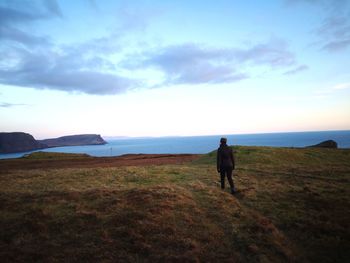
(225, 162)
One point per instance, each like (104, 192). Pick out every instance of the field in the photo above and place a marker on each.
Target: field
(292, 205)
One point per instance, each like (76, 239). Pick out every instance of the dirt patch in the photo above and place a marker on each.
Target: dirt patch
(124, 160)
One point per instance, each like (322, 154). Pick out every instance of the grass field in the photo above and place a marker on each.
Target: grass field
(293, 205)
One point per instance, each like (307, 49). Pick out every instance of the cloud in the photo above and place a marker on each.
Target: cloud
(9, 105)
(89, 67)
(67, 71)
(189, 64)
(34, 61)
(90, 82)
(9, 15)
(16, 35)
(334, 89)
(334, 32)
(11, 20)
(337, 45)
(328, 4)
(194, 64)
(53, 7)
(93, 4)
(274, 53)
(341, 86)
(296, 70)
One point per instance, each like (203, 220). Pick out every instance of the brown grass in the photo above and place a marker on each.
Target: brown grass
(292, 206)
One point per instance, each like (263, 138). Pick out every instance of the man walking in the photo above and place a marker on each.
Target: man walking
(225, 163)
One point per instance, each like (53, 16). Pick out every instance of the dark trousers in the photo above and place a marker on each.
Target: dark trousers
(226, 172)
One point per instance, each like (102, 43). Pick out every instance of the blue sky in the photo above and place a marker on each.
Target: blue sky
(163, 68)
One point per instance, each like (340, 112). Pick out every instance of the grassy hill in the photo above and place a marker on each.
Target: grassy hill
(292, 205)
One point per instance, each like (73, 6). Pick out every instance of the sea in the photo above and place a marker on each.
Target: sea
(198, 144)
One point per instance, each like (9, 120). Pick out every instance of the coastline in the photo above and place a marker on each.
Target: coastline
(198, 144)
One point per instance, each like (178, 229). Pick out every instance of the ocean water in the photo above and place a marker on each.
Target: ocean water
(199, 144)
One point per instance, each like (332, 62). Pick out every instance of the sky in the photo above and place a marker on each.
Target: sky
(174, 68)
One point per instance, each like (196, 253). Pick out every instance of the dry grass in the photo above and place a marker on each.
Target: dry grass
(293, 205)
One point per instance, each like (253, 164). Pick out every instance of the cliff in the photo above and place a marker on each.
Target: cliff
(11, 142)
(75, 140)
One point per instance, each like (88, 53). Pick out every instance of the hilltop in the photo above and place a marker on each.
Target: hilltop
(292, 206)
(74, 140)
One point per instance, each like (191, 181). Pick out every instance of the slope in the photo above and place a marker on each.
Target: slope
(292, 205)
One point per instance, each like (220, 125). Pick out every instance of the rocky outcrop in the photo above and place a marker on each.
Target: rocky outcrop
(11, 142)
(326, 144)
(75, 140)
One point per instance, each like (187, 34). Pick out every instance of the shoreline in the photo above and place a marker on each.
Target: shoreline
(196, 145)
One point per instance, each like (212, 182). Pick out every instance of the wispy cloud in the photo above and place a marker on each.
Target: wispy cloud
(333, 89)
(330, 5)
(296, 70)
(14, 15)
(194, 64)
(93, 4)
(341, 86)
(273, 53)
(333, 35)
(9, 105)
(19, 36)
(53, 7)
(188, 64)
(337, 45)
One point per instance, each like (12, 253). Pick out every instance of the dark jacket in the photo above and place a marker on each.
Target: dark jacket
(225, 158)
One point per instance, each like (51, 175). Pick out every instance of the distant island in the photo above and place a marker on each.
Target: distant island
(326, 144)
(12, 142)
